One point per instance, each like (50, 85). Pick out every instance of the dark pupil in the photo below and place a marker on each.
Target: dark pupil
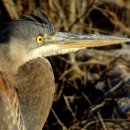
(40, 39)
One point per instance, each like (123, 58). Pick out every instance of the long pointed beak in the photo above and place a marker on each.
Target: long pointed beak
(61, 42)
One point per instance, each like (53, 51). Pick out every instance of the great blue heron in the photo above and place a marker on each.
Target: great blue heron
(26, 77)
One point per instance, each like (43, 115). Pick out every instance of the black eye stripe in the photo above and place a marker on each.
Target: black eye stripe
(41, 34)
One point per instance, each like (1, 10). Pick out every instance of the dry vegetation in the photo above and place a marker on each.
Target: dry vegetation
(92, 86)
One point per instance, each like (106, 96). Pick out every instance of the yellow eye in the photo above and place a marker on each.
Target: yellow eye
(39, 39)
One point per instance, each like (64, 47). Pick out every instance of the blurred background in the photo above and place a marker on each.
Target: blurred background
(93, 85)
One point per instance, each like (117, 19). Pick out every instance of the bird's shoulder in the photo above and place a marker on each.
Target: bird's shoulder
(8, 104)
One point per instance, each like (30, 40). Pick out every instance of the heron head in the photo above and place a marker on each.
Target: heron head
(35, 36)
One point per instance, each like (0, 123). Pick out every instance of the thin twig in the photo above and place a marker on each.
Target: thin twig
(58, 120)
(101, 120)
(11, 9)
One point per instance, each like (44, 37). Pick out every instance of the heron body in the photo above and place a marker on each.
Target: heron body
(26, 84)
